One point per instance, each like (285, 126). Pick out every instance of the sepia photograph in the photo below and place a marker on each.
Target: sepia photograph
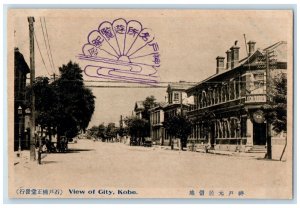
(150, 103)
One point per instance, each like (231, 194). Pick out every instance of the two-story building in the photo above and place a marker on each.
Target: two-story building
(177, 102)
(227, 111)
(139, 108)
(157, 130)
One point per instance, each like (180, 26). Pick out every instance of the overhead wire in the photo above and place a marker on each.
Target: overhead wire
(49, 44)
(41, 53)
(47, 50)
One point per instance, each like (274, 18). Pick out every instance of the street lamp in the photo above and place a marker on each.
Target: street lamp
(20, 113)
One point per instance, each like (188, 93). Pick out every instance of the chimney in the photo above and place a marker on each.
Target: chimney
(228, 64)
(251, 46)
(220, 64)
(234, 55)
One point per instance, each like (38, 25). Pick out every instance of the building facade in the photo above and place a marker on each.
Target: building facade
(21, 118)
(157, 130)
(227, 111)
(177, 102)
(139, 108)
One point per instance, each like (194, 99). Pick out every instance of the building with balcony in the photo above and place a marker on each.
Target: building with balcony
(227, 106)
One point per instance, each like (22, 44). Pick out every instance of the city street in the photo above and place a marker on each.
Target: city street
(103, 165)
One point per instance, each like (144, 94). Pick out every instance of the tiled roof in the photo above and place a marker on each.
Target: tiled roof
(180, 85)
(139, 105)
(159, 105)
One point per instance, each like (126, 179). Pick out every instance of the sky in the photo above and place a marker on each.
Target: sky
(189, 42)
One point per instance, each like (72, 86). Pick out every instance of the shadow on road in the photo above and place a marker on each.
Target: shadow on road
(48, 162)
(73, 150)
(271, 160)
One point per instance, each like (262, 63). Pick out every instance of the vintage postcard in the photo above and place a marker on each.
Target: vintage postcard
(160, 103)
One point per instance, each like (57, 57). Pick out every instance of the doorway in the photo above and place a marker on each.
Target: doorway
(259, 133)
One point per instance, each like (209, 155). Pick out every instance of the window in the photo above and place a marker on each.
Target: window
(214, 96)
(223, 93)
(200, 101)
(176, 96)
(158, 114)
(237, 89)
(203, 99)
(227, 89)
(232, 89)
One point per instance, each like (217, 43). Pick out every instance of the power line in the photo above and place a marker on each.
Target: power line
(40, 52)
(51, 66)
(49, 44)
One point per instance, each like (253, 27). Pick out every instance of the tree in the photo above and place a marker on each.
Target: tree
(111, 131)
(280, 104)
(65, 104)
(208, 118)
(179, 126)
(276, 109)
(137, 128)
(92, 132)
(45, 101)
(101, 132)
(76, 103)
(98, 132)
(148, 103)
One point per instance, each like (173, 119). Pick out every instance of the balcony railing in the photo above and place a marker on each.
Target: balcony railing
(194, 108)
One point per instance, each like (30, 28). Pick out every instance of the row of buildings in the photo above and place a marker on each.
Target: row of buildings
(230, 101)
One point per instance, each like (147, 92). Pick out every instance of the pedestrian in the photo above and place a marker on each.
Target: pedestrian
(38, 149)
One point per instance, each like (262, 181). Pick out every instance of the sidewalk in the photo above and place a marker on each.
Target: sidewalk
(24, 158)
(217, 152)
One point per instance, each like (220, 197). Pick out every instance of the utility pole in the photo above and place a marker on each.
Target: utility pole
(181, 107)
(32, 79)
(269, 131)
(54, 76)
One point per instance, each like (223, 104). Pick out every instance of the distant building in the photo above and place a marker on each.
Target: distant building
(177, 102)
(139, 108)
(234, 97)
(21, 70)
(176, 93)
(157, 130)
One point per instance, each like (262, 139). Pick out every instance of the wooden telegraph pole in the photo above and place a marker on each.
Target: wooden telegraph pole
(268, 85)
(32, 79)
